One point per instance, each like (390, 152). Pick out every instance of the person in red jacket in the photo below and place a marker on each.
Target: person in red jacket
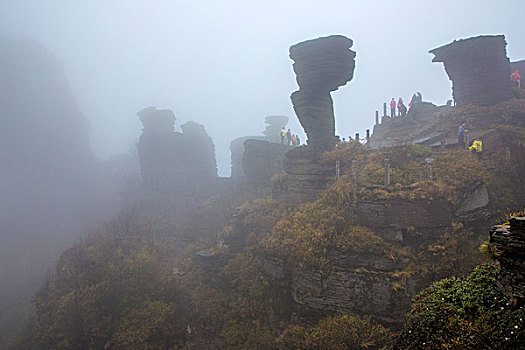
(393, 108)
(516, 77)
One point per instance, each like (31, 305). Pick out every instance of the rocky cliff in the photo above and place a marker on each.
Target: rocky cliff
(508, 242)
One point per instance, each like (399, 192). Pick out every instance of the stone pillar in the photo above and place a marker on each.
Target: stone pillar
(368, 138)
(479, 69)
(377, 117)
(321, 66)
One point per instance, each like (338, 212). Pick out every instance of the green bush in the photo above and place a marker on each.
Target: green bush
(463, 314)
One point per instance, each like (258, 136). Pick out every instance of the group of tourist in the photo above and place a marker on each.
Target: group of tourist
(476, 146)
(401, 108)
(338, 140)
(292, 139)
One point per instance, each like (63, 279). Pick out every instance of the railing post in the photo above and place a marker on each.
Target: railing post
(354, 169)
(387, 172)
(430, 170)
(368, 138)
(443, 141)
(384, 109)
(337, 170)
(377, 117)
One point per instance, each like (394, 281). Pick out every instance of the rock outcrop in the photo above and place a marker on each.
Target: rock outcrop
(304, 176)
(262, 160)
(509, 248)
(360, 284)
(272, 135)
(479, 69)
(321, 65)
(393, 220)
(179, 170)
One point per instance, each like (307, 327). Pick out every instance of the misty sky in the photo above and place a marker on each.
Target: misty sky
(225, 64)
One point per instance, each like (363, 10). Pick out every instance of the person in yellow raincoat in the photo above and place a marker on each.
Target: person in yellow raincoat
(477, 146)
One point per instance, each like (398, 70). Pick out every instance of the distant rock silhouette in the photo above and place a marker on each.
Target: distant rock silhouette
(479, 69)
(50, 181)
(272, 134)
(179, 169)
(322, 65)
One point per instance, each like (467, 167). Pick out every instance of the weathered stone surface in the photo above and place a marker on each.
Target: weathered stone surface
(321, 65)
(352, 291)
(475, 199)
(316, 113)
(272, 134)
(479, 69)
(509, 243)
(358, 284)
(305, 177)
(262, 160)
(393, 220)
(178, 170)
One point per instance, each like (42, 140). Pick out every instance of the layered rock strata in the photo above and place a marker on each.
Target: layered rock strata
(304, 176)
(509, 247)
(479, 69)
(321, 65)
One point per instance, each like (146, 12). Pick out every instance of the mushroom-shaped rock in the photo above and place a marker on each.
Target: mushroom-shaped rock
(479, 69)
(321, 65)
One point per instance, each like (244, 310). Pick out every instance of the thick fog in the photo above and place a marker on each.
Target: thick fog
(74, 74)
(225, 64)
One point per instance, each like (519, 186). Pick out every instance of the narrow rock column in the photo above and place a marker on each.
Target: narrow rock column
(321, 65)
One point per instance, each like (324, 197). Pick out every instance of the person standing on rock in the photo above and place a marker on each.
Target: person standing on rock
(401, 108)
(461, 135)
(283, 135)
(516, 77)
(393, 108)
(294, 140)
(289, 137)
(298, 140)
